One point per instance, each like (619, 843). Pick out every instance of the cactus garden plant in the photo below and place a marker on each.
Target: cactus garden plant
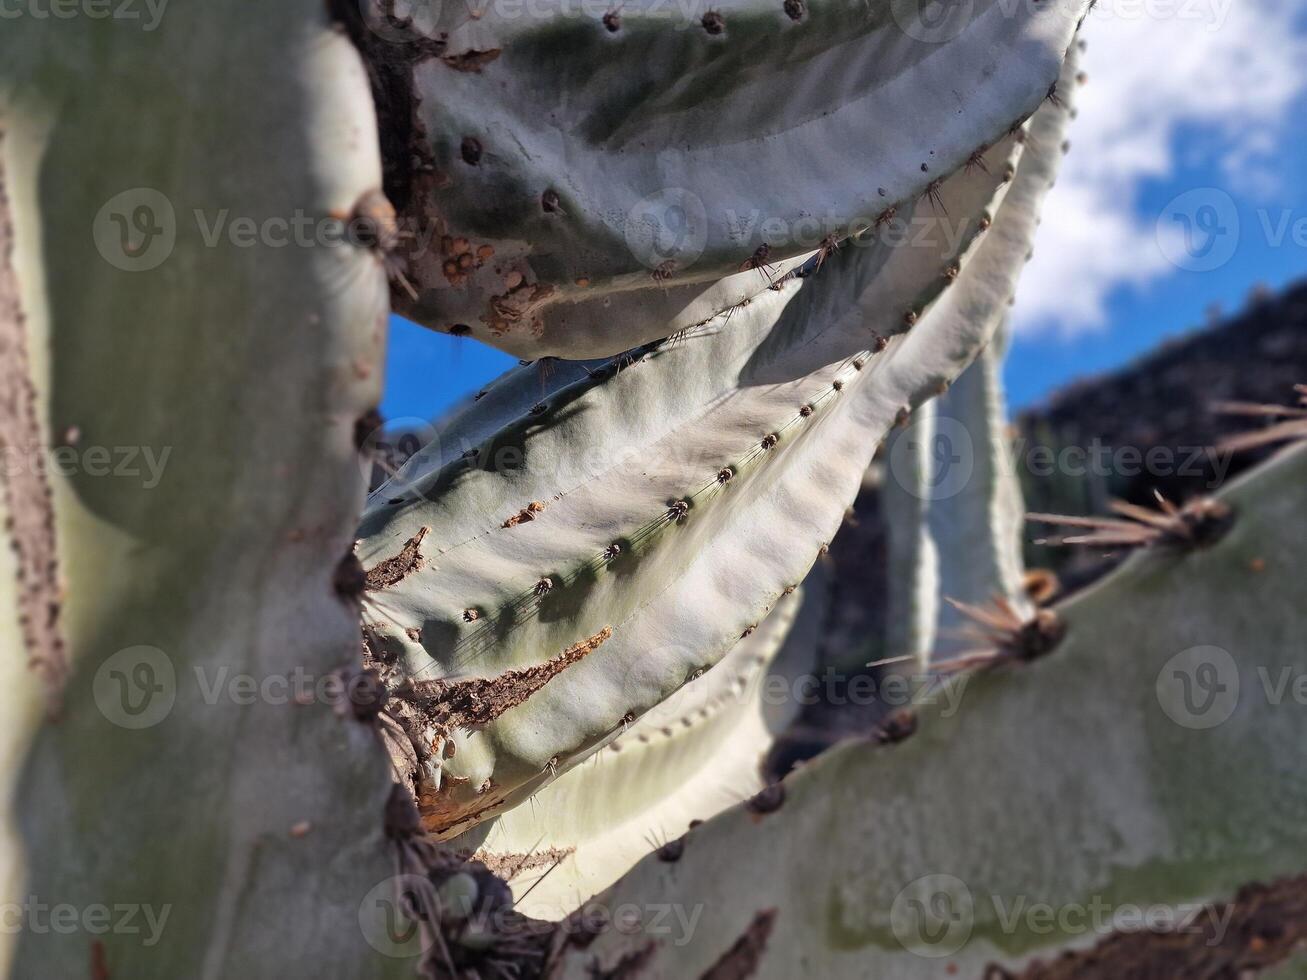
(737, 249)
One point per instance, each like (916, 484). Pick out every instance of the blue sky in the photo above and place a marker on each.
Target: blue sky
(1048, 352)
(1193, 115)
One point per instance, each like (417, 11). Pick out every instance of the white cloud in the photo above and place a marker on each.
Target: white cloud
(1225, 69)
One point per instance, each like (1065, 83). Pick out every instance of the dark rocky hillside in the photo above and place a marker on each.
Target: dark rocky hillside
(1151, 424)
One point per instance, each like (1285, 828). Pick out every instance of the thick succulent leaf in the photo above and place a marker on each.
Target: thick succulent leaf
(482, 566)
(22, 705)
(26, 588)
(977, 516)
(1174, 781)
(689, 758)
(953, 514)
(580, 190)
(911, 552)
(248, 825)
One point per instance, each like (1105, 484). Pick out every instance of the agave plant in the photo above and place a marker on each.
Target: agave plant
(505, 715)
